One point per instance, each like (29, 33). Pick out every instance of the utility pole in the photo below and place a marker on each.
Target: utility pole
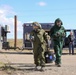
(15, 31)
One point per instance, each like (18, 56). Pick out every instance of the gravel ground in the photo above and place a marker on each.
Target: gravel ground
(24, 65)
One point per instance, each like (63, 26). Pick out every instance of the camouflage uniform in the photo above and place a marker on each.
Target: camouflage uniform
(58, 33)
(39, 45)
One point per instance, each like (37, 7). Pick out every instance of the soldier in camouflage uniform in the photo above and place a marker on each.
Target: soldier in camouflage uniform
(57, 32)
(39, 38)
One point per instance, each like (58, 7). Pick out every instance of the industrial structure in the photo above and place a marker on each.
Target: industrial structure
(3, 36)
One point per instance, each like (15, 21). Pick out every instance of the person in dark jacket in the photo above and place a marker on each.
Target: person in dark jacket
(71, 43)
(57, 33)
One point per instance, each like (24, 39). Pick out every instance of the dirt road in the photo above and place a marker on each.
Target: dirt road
(24, 64)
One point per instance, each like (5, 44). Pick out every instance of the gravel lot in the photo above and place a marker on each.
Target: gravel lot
(23, 62)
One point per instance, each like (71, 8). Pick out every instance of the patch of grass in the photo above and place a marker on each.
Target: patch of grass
(2, 64)
(19, 42)
(7, 68)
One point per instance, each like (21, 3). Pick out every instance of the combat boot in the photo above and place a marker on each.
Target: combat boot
(58, 65)
(42, 69)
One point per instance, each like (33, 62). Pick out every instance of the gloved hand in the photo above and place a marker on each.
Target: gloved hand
(32, 38)
(58, 34)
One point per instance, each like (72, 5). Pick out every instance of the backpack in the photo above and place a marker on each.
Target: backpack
(49, 57)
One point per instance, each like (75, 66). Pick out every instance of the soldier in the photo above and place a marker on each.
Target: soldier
(57, 33)
(39, 38)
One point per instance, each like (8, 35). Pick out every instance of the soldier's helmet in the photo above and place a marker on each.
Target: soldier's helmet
(58, 20)
(36, 24)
